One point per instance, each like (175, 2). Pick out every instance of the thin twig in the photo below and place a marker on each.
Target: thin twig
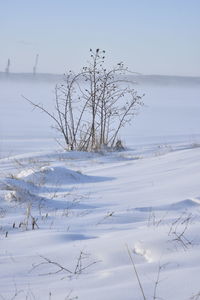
(136, 273)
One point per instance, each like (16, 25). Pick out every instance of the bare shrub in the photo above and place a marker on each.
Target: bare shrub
(92, 106)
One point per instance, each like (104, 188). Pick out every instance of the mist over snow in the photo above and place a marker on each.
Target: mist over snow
(171, 111)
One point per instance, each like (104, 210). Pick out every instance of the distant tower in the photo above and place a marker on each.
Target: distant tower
(7, 69)
(35, 65)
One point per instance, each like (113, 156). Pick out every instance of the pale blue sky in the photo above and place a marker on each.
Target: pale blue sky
(150, 36)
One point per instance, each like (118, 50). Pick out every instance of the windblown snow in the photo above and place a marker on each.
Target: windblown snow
(69, 221)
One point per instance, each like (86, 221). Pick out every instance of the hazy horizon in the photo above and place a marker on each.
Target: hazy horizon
(137, 74)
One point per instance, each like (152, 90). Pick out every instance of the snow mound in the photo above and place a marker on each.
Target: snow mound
(19, 190)
(185, 204)
(22, 195)
(52, 175)
(181, 205)
(13, 184)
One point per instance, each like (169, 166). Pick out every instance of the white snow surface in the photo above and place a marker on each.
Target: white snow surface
(69, 220)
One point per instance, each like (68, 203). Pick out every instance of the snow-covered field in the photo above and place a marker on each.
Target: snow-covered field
(69, 222)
